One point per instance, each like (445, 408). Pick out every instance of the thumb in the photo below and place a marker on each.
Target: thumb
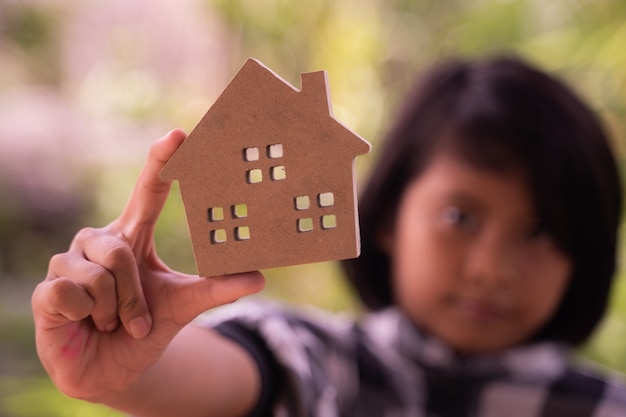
(195, 295)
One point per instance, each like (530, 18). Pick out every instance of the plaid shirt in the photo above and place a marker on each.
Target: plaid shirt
(328, 365)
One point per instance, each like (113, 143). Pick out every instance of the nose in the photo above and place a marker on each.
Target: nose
(491, 263)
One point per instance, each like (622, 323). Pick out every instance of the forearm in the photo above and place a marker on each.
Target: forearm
(200, 374)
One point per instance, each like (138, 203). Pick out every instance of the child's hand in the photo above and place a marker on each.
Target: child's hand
(109, 306)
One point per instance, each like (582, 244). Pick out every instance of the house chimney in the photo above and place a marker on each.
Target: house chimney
(315, 91)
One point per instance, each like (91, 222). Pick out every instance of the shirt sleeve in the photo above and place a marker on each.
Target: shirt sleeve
(305, 359)
(265, 361)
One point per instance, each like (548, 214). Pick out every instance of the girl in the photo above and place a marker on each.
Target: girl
(488, 251)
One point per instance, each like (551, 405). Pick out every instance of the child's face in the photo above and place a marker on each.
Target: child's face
(470, 263)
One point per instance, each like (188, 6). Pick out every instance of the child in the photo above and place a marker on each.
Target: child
(489, 233)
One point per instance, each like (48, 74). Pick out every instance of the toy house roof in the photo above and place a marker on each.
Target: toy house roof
(257, 96)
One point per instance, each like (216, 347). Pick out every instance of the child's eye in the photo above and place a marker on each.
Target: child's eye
(456, 216)
(536, 232)
(540, 235)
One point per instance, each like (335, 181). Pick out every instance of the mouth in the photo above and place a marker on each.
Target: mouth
(480, 310)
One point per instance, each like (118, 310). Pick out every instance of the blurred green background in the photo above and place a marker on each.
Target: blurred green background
(85, 86)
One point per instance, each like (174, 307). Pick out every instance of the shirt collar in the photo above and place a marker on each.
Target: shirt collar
(541, 361)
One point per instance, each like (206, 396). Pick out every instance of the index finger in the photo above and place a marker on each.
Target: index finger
(150, 193)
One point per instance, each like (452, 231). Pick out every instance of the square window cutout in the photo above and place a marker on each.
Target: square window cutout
(278, 173)
(305, 225)
(251, 154)
(240, 211)
(242, 233)
(275, 151)
(216, 214)
(329, 221)
(326, 199)
(254, 176)
(218, 236)
(303, 202)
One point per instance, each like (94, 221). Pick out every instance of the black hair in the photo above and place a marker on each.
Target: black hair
(499, 113)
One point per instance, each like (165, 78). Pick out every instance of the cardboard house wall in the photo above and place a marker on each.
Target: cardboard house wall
(267, 177)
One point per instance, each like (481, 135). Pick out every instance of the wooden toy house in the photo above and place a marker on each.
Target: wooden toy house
(267, 177)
